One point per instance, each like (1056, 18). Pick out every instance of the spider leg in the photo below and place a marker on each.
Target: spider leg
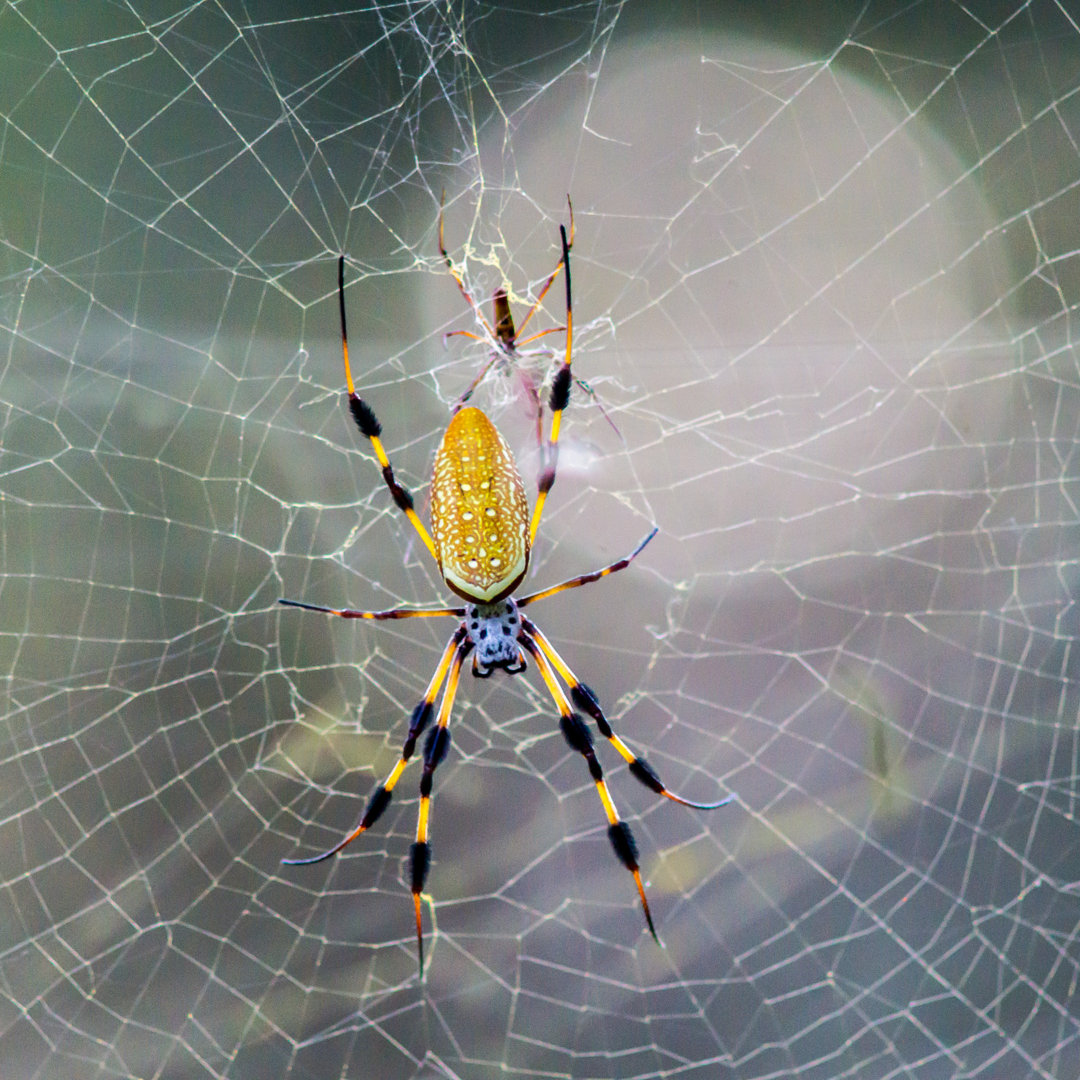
(585, 579)
(492, 360)
(534, 397)
(463, 333)
(577, 736)
(392, 613)
(519, 341)
(380, 797)
(580, 383)
(370, 427)
(456, 275)
(560, 397)
(435, 749)
(585, 699)
(583, 385)
(547, 284)
(543, 333)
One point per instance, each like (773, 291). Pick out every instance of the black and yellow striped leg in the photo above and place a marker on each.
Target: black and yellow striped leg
(577, 736)
(380, 797)
(560, 397)
(391, 613)
(586, 579)
(435, 749)
(370, 427)
(585, 699)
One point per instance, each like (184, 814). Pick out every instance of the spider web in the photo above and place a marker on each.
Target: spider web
(825, 278)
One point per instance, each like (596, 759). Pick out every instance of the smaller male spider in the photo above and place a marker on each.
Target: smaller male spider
(481, 536)
(504, 337)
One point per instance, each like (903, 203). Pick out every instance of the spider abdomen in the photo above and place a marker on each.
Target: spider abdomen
(479, 512)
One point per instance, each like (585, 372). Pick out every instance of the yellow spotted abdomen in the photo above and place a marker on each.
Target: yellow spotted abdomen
(479, 512)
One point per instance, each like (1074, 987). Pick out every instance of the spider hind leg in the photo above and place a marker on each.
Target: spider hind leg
(579, 738)
(584, 698)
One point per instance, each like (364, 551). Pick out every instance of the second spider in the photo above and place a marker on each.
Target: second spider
(505, 337)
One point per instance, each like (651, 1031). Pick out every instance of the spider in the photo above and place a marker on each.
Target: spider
(505, 336)
(481, 536)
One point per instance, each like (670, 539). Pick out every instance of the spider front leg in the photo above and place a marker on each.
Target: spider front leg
(371, 429)
(560, 398)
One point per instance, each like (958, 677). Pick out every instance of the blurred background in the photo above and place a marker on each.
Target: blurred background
(825, 278)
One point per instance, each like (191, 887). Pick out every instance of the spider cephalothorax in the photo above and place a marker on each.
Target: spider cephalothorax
(481, 537)
(493, 630)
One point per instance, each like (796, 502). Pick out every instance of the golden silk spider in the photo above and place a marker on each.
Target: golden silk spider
(481, 536)
(503, 336)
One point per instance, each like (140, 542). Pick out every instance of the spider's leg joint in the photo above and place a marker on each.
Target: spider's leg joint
(365, 418)
(622, 840)
(647, 775)
(547, 479)
(578, 738)
(560, 389)
(419, 864)
(402, 498)
(584, 697)
(436, 747)
(576, 733)
(379, 801)
(421, 717)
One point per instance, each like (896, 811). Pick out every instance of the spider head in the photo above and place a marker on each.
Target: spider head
(493, 630)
